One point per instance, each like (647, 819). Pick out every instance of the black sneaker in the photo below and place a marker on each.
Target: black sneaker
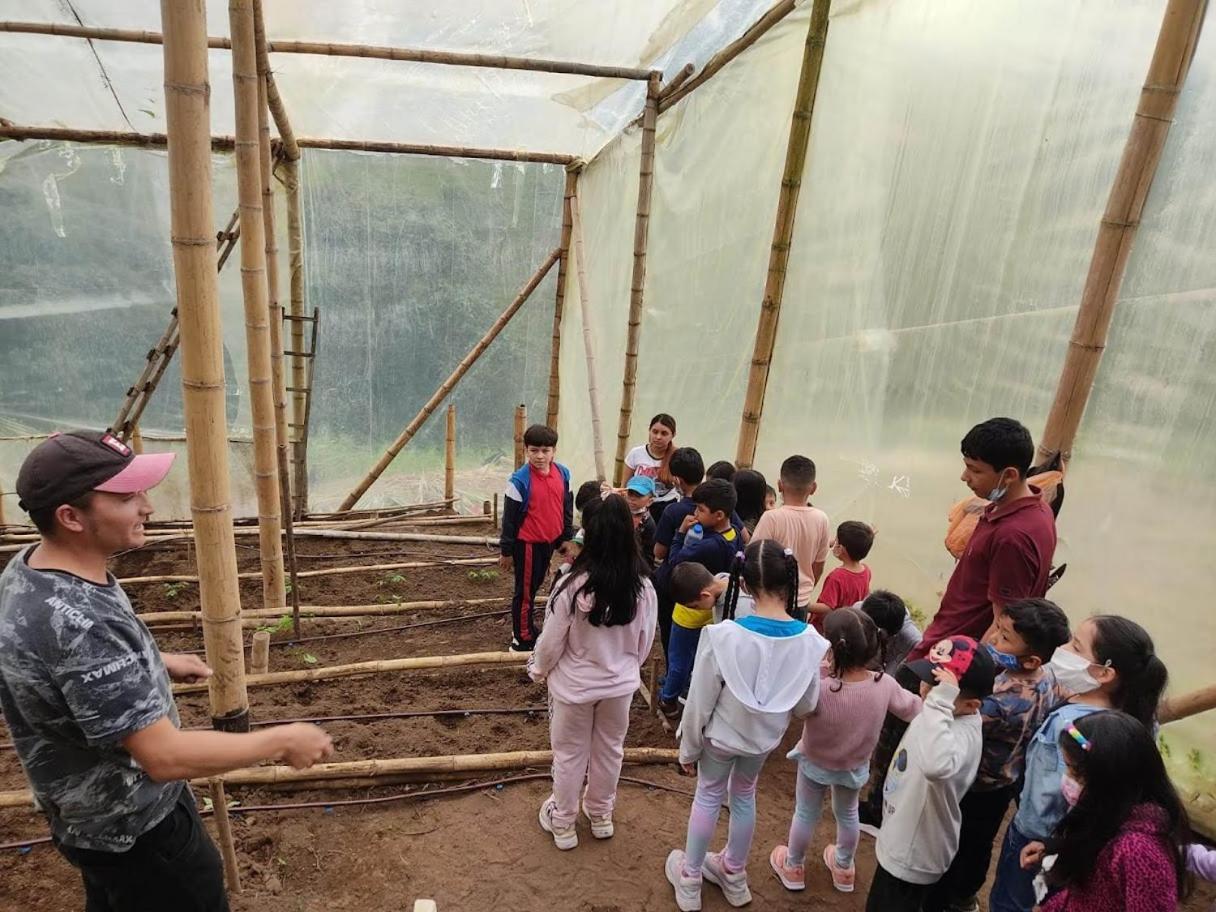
(517, 646)
(671, 710)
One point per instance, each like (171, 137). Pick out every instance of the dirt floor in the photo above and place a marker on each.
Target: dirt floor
(476, 848)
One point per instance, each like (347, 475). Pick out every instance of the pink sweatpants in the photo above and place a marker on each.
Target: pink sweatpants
(588, 741)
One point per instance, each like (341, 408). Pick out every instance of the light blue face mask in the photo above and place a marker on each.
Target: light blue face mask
(1005, 660)
(998, 493)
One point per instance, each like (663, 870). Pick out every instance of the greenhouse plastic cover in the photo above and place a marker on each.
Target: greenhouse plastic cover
(960, 158)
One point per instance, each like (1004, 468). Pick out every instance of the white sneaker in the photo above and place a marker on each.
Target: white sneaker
(734, 886)
(563, 837)
(688, 889)
(869, 829)
(601, 826)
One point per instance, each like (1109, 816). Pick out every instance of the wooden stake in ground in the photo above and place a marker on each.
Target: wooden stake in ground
(641, 236)
(257, 307)
(1117, 231)
(783, 232)
(446, 387)
(584, 306)
(219, 804)
(259, 653)
(555, 385)
(449, 457)
(187, 114)
(521, 423)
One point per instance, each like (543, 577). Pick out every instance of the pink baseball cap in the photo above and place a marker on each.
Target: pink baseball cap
(67, 466)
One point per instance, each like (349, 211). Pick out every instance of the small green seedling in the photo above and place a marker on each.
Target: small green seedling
(1194, 759)
(309, 658)
(281, 626)
(486, 575)
(173, 590)
(209, 805)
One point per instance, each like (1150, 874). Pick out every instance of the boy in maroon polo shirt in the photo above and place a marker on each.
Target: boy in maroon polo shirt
(1008, 558)
(538, 515)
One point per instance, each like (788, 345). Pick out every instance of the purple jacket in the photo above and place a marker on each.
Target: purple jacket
(1134, 873)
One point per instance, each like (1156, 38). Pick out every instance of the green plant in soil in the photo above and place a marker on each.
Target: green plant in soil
(486, 575)
(392, 579)
(173, 590)
(281, 626)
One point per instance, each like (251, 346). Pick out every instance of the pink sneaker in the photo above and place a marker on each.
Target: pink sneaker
(842, 878)
(792, 877)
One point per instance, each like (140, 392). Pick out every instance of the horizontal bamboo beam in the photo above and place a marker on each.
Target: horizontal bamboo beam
(157, 618)
(374, 769)
(325, 571)
(225, 143)
(355, 669)
(1171, 709)
(332, 49)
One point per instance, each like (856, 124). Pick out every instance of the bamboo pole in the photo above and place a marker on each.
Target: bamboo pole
(1150, 128)
(783, 231)
(137, 440)
(555, 349)
(333, 49)
(222, 143)
(521, 422)
(258, 332)
(584, 305)
(187, 113)
(381, 666)
(258, 616)
(446, 387)
(259, 653)
(400, 536)
(299, 376)
(326, 571)
(219, 804)
(1171, 709)
(641, 236)
(675, 82)
(449, 455)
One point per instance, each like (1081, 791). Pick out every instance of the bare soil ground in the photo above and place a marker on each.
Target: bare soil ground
(475, 849)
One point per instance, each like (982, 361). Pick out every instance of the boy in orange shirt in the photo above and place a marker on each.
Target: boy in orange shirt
(801, 528)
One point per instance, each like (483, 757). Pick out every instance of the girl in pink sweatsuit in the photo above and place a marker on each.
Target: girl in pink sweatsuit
(599, 628)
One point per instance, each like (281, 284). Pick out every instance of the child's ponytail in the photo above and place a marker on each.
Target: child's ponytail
(791, 583)
(731, 599)
(767, 567)
(854, 641)
(1126, 647)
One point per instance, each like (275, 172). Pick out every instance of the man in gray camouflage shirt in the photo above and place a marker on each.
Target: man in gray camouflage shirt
(86, 693)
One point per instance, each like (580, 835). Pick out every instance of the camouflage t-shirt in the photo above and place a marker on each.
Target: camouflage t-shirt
(1012, 714)
(79, 672)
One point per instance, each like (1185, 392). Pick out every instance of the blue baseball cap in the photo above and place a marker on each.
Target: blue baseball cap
(640, 484)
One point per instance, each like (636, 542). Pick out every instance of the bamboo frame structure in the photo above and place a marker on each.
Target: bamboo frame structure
(521, 422)
(446, 387)
(783, 232)
(158, 618)
(219, 804)
(584, 306)
(258, 332)
(332, 49)
(355, 669)
(641, 237)
(224, 143)
(555, 386)
(325, 571)
(449, 455)
(1167, 73)
(187, 112)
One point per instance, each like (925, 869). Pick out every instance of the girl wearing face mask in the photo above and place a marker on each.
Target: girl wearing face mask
(1109, 664)
(1121, 845)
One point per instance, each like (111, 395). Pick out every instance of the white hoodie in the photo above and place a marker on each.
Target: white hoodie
(745, 686)
(932, 769)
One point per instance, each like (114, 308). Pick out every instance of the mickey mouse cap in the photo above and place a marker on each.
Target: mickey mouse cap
(963, 657)
(69, 465)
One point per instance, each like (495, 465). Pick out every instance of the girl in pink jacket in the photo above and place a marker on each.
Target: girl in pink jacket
(1120, 848)
(599, 628)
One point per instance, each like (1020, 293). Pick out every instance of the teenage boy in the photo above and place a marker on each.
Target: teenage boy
(1027, 633)
(86, 692)
(714, 550)
(933, 768)
(796, 525)
(538, 515)
(849, 583)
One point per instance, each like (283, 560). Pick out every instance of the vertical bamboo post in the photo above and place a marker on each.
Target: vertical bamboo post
(275, 312)
(2, 520)
(446, 386)
(494, 514)
(641, 236)
(187, 114)
(137, 440)
(259, 654)
(584, 305)
(559, 304)
(1167, 73)
(299, 369)
(783, 232)
(254, 292)
(449, 459)
(219, 804)
(521, 422)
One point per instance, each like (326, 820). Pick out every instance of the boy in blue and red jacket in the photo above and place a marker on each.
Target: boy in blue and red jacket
(538, 515)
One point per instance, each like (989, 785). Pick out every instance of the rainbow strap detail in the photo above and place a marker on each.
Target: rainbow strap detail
(1085, 743)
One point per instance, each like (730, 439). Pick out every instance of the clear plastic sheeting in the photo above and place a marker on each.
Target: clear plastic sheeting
(107, 85)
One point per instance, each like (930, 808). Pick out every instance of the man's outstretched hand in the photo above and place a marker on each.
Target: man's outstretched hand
(185, 669)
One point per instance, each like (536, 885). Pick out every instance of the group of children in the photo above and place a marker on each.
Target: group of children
(1059, 721)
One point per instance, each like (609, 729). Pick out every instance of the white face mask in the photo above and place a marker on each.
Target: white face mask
(1072, 671)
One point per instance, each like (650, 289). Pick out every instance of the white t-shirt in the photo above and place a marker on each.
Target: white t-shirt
(642, 463)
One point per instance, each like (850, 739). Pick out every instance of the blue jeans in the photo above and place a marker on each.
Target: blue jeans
(1013, 890)
(681, 650)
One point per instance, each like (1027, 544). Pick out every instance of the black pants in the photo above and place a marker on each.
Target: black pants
(888, 741)
(983, 814)
(666, 608)
(890, 894)
(531, 566)
(174, 867)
